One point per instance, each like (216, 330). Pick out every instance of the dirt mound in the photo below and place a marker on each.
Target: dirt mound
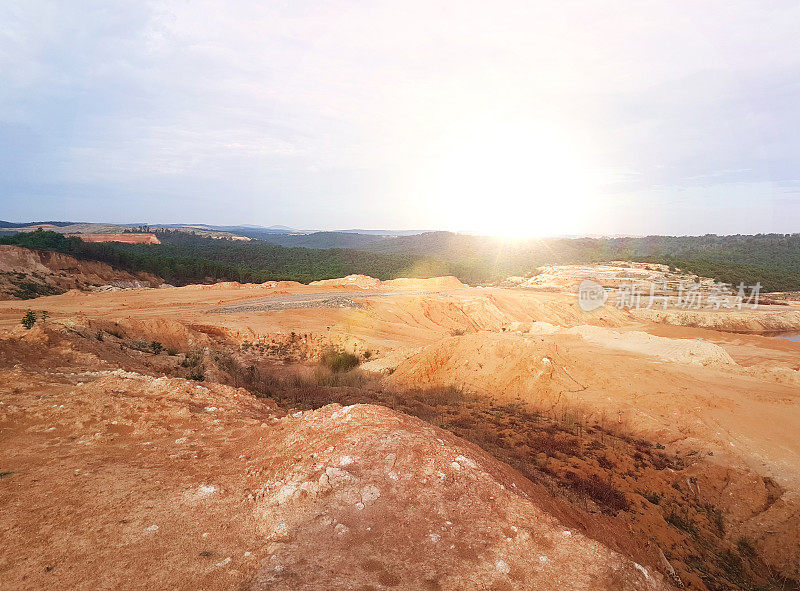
(691, 351)
(28, 273)
(359, 281)
(763, 320)
(127, 237)
(362, 494)
(448, 282)
(367, 282)
(514, 367)
(610, 275)
(167, 483)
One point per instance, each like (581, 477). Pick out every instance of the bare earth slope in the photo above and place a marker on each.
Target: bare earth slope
(114, 479)
(27, 273)
(700, 389)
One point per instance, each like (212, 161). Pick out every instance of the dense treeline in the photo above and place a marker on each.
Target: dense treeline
(771, 259)
(185, 258)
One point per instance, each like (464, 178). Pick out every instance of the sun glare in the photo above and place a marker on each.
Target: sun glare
(512, 180)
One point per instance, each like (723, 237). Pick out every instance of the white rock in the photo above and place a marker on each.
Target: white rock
(466, 461)
(369, 493)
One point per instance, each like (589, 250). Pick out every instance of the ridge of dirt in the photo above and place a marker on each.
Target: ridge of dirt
(120, 479)
(26, 274)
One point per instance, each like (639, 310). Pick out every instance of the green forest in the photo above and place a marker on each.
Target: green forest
(771, 259)
(185, 258)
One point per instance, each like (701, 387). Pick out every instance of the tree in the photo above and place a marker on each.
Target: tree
(29, 319)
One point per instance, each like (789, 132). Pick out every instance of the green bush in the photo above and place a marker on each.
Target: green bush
(29, 319)
(338, 359)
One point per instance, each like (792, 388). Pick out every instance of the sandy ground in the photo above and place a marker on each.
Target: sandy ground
(737, 393)
(127, 237)
(699, 384)
(114, 479)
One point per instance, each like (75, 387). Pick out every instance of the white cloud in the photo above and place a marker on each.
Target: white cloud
(296, 104)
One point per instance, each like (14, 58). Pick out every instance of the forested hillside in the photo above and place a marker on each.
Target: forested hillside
(772, 259)
(185, 258)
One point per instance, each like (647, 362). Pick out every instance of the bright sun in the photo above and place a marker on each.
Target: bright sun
(510, 180)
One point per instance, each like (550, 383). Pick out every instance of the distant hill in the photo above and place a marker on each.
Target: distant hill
(771, 259)
(269, 233)
(4, 224)
(92, 228)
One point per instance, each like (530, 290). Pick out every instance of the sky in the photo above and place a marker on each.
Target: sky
(511, 117)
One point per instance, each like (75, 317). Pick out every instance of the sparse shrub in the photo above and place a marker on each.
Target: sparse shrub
(715, 517)
(172, 352)
(457, 332)
(338, 360)
(29, 319)
(746, 547)
(682, 522)
(605, 463)
(443, 396)
(27, 290)
(367, 354)
(44, 314)
(194, 361)
(99, 335)
(332, 378)
(192, 358)
(653, 497)
(731, 564)
(116, 331)
(156, 347)
(600, 491)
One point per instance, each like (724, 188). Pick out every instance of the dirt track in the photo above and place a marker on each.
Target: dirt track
(317, 300)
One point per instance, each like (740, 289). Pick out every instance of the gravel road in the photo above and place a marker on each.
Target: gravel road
(314, 300)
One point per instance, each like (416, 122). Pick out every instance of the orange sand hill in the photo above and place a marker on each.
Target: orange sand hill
(129, 237)
(115, 479)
